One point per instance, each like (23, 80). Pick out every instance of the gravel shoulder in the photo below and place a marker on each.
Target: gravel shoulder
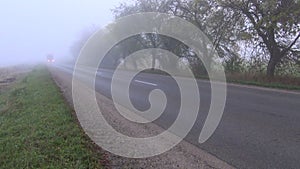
(184, 155)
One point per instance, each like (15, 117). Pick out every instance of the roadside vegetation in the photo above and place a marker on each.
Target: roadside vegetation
(245, 72)
(38, 129)
(257, 41)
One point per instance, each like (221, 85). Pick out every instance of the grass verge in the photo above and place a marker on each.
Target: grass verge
(287, 83)
(38, 129)
(275, 85)
(280, 82)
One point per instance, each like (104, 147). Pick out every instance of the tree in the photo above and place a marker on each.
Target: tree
(204, 14)
(146, 40)
(275, 24)
(272, 26)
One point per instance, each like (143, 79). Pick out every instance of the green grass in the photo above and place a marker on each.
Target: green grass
(38, 129)
(280, 82)
(268, 85)
(258, 82)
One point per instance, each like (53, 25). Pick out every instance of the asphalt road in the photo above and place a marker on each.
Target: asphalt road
(260, 128)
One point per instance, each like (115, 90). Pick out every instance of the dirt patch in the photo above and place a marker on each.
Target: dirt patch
(8, 80)
(9, 75)
(11, 71)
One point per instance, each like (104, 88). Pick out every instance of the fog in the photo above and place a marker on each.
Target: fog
(29, 30)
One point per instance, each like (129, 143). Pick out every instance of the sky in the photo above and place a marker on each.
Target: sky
(31, 29)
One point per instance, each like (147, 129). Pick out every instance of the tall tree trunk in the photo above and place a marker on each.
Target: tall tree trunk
(153, 62)
(153, 59)
(271, 66)
(275, 56)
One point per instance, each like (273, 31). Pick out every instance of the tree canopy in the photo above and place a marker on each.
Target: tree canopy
(272, 26)
(254, 30)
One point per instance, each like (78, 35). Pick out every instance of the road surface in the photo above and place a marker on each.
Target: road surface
(260, 128)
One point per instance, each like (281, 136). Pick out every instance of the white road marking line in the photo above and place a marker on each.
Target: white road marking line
(148, 83)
